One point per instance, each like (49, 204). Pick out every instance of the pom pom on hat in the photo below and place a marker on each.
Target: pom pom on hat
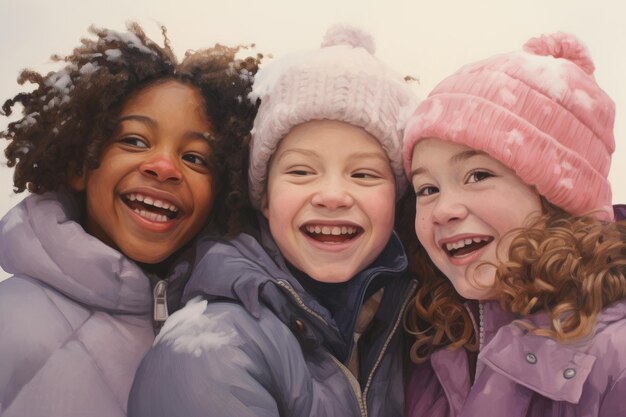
(341, 81)
(539, 112)
(340, 34)
(562, 45)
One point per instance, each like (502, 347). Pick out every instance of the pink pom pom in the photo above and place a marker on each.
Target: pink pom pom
(562, 45)
(339, 34)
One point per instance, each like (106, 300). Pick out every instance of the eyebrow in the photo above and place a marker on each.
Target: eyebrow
(191, 134)
(459, 157)
(375, 155)
(309, 153)
(305, 152)
(142, 119)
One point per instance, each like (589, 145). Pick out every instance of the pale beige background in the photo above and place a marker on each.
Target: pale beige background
(426, 39)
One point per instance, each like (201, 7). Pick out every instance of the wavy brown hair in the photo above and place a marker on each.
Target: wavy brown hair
(570, 267)
(71, 114)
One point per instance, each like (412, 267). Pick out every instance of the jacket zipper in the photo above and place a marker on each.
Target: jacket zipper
(295, 295)
(159, 310)
(481, 326)
(481, 337)
(360, 396)
(389, 337)
(354, 384)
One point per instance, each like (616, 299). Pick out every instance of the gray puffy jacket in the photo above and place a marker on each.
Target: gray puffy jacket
(75, 319)
(252, 342)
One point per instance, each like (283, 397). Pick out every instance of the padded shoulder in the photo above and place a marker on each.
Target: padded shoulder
(34, 321)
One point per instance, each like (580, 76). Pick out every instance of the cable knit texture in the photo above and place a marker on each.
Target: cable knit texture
(540, 112)
(341, 81)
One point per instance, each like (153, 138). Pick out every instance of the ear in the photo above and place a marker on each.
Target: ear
(77, 179)
(265, 206)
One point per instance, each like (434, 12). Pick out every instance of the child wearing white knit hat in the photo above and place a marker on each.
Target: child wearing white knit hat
(341, 81)
(307, 315)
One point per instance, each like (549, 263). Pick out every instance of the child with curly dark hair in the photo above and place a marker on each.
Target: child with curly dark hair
(129, 154)
(522, 307)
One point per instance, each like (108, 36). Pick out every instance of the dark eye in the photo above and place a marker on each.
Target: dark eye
(134, 141)
(298, 172)
(195, 159)
(426, 191)
(364, 175)
(478, 176)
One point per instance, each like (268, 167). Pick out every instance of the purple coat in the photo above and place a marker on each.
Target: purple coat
(75, 318)
(521, 375)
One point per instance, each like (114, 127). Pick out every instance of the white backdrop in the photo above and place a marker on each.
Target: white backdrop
(428, 40)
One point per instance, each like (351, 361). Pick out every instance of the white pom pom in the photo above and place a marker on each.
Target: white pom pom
(341, 34)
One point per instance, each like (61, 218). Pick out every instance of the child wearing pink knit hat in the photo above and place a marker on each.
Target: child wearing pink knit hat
(303, 319)
(522, 305)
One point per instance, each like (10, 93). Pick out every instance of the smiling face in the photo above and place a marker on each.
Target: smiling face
(330, 199)
(466, 204)
(153, 189)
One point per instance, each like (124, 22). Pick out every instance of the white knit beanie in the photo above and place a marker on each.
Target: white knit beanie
(341, 81)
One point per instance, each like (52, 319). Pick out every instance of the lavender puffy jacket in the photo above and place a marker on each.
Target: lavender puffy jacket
(75, 319)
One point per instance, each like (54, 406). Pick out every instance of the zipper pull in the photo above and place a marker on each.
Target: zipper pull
(160, 313)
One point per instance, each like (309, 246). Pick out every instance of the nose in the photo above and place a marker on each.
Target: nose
(448, 207)
(332, 195)
(161, 167)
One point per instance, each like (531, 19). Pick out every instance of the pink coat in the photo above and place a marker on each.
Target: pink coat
(522, 375)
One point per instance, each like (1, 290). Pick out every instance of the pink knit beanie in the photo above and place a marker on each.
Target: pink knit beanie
(341, 81)
(539, 112)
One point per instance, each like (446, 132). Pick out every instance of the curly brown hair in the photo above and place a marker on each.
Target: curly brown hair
(570, 267)
(73, 112)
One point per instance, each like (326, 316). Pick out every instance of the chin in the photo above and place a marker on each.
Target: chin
(145, 258)
(476, 292)
(331, 275)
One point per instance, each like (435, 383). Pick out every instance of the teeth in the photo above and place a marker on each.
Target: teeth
(151, 216)
(464, 242)
(150, 201)
(331, 230)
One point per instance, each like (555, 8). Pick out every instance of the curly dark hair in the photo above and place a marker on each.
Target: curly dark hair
(570, 267)
(73, 112)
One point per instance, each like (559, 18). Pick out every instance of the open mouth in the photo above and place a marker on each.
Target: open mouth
(331, 233)
(150, 208)
(466, 246)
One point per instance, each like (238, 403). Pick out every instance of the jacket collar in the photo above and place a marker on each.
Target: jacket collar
(555, 370)
(525, 362)
(254, 273)
(43, 239)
